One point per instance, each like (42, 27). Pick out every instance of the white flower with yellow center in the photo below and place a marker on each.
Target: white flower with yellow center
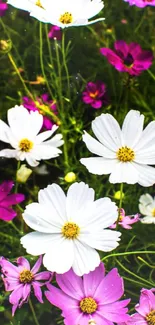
(123, 153)
(63, 13)
(147, 208)
(69, 229)
(22, 135)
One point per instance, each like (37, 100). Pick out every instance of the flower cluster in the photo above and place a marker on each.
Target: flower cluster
(95, 94)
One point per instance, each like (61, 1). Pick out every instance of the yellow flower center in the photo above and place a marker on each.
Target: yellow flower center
(66, 18)
(26, 276)
(88, 305)
(70, 230)
(125, 154)
(25, 145)
(150, 318)
(153, 212)
(94, 95)
(38, 3)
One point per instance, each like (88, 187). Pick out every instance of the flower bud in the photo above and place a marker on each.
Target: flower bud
(70, 177)
(117, 195)
(5, 46)
(23, 173)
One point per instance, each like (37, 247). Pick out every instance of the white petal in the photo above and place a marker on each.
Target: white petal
(91, 8)
(147, 139)
(54, 197)
(43, 136)
(86, 258)
(104, 241)
(99, 165)
(145, 210)
(108, 131)
(56, 141)
(96, 147)
(9, 153)
(78, 196)
(42, 218)
(146, 199)
(37, 243)
(43, 151)
(146, 157)
(4, 132)
(146, 175)
(148, 220)
(132, 128)
(59, 257)
(124, 172)
(31, 160)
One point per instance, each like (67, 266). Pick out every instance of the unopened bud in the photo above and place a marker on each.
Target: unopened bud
(70, 177)
(23, 173)
(117, 195)
(5, 46)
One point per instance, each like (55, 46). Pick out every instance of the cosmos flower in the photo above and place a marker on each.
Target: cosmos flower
(69, 229)
(126, 221)
(55, 32)
(62, 13)
(124, 153)
(147, 208)
(145, 309)
(7, 200)
(128, 58)
(22, 135)
(95, 94)
(44, 106)
(141, 3)
(3, 8)
(90, 300)
(19, 279)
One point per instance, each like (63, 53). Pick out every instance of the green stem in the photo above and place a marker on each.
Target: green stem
(13, 226)
(120, 203)
(65, 65)
(127, 253)
(12, 238)
(16, 184)
(33, 312)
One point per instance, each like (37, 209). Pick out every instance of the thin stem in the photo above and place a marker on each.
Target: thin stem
(13, 226)
(16, 184)
(12, 238)
(127, 253)
(121, 196)
(65, 64)
(19, 75)
(33, 312)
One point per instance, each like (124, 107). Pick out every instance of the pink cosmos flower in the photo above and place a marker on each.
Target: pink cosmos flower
(145, 309)
(55, 32)
(92, 299)
(19, 279)
(7, 200)
(126, 221)
(128, 58)
(43, 105)
(3, 8)
(141, 3)
(95, 94)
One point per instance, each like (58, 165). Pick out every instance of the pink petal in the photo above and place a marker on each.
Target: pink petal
(146, 303)
(26, 293)
(12, 199)
(71, 284)
(21, 261)
(59, 299)
(45, 275)
(37, 265)
(5, 189)
(10, 283)
(9, 269)
(121, 46)
(16, 295)
(111, 288)
(14, 309)
(37, 291)
(115, 312)
(137, 319)
(7, 214)
(92, 280)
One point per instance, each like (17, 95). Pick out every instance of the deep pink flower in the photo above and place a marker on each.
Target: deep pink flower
(3, 8)
(91, 299)
(145, 309)
(55, 32)
(141, 3)
(95, 94)
(126, 221)
(43, 105)
(19, 279)
(128, 58)
(7, 200)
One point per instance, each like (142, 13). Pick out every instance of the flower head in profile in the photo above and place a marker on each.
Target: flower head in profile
(95, 94)
(44, 106)
(141, 3)
(55, 33)
(126, 221)
(22, 135)
(69, 229)
(7, 200)
(93, 299)
(3, 8)
(62, 13)
(128, 58)
(147, 208)
(123, 153)
(145, 309)
(20, 279)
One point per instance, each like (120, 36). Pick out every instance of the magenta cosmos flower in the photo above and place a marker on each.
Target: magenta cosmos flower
(43, 105)
(141, 3)
(92, 299)
(145, 309)
(95, 94)
(7, 200)
(126, 221)
(3, 8)
(19, 279)
(128, 58)
(55, 33)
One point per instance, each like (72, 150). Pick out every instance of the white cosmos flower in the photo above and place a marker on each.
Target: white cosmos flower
(22, 135)
(63, 13)
(147, 208)
(69, 228)
(126, 153)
